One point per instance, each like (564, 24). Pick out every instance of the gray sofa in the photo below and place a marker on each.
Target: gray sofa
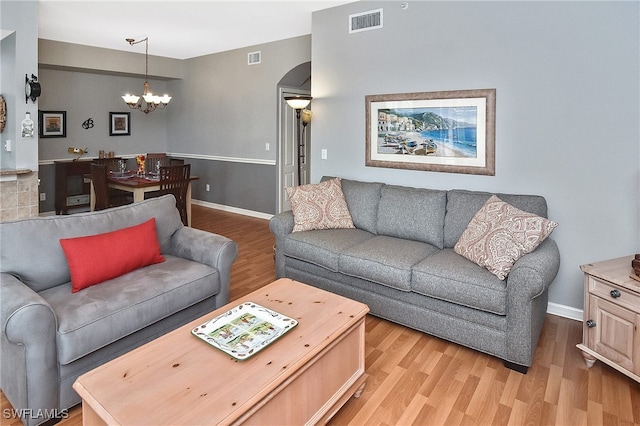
(400, 261)
(49, 335)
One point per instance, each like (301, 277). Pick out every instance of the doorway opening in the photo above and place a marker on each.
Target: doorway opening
(296, 82)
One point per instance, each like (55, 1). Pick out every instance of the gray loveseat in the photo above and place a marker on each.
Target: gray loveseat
(400, 261)
(50, 336)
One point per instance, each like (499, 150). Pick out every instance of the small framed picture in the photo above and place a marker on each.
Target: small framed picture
(119, 123)
(52, 124)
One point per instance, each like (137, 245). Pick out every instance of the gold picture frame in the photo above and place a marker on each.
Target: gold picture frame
(447, 131)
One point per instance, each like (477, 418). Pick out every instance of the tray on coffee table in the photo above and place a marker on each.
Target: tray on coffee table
(244, 330)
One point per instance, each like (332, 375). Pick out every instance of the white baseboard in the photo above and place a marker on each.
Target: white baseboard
(565, 311)
(230, 209)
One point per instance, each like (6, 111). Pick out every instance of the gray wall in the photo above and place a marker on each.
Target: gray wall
(20, 19)
(86, 95)
(222, 114)
(566, 76)
(227, 111)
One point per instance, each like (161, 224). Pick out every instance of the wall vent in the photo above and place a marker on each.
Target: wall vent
(365, 21)
(254, 58)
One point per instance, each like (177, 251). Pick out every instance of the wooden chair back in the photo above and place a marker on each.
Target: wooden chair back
(175, 180)
(113, 164)
(100, 186)
(153, 159)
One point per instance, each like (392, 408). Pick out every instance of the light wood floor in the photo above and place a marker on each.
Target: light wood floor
(421, 380)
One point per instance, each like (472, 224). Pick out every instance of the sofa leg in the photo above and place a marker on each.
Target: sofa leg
(516, 367)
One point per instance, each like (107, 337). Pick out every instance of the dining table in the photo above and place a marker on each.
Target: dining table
(139, 185)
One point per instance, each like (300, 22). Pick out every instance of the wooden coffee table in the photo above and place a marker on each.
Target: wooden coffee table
(302, 378)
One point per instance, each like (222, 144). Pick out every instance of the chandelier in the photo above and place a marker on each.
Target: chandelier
(148, 101)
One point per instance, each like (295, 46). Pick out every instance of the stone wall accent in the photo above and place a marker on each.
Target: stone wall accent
(19, 198)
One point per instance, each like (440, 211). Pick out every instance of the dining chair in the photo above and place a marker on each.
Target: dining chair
(153, 159)
(175, 180)
(113, 165)
(104, 197)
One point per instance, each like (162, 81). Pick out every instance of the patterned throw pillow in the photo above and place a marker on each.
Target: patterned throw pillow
(500, 234)
(319, 206)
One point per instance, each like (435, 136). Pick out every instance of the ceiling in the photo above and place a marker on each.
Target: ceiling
(176, 29)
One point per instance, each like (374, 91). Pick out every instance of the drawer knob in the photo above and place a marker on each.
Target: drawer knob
(591, 323)
(615, 293)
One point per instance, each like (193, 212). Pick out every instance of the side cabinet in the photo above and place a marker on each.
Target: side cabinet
(72, 187)
(611, 328)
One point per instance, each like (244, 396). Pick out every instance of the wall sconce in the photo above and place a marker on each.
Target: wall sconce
(32, 88)
(298, 103)
(306, 117)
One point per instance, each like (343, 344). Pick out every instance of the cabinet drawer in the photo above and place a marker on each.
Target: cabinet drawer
(78, 200)
(604, 290)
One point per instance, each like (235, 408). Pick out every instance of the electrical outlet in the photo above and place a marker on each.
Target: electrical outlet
(323, 153)
(43, 196)
(207, 188)
(266, 146)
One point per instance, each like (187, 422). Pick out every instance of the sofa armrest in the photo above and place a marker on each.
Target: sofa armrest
(527, 298)
(281, 225)
(29, 372)
(535, 271)
(210, 249)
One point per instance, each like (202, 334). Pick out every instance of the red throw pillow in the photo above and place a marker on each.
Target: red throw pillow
(97, 258)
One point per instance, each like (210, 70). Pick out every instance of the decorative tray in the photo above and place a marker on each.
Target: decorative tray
(244, 330)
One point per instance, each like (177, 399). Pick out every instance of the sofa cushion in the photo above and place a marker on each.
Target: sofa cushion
(319, 206)
(412, 214)
(51, 268)
(463, 205)
(101, 314)
(96, 258)
(384, 260)
(500, 234)
(323, 247)
(450, 277)
(363, 199)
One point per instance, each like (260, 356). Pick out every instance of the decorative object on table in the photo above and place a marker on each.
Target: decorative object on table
(151, 101)
(451, 131)
(78, 151)
(244, 330)
(88, 124)
(120, 124)
(3, 113)
(27, 126)
(32, 88)
(140, 159)
(298, 103)
(52, 124)
(635, 264)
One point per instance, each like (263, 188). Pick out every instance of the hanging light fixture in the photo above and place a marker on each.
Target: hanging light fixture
(148, 101)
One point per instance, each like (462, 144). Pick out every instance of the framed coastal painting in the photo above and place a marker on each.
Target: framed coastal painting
(52, 124)
(450, 131)
(119, 124)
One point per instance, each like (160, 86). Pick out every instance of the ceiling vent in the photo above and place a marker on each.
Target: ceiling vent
(254, 58)
(365, 21)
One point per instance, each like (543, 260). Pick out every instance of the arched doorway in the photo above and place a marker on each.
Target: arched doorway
(295, 82)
